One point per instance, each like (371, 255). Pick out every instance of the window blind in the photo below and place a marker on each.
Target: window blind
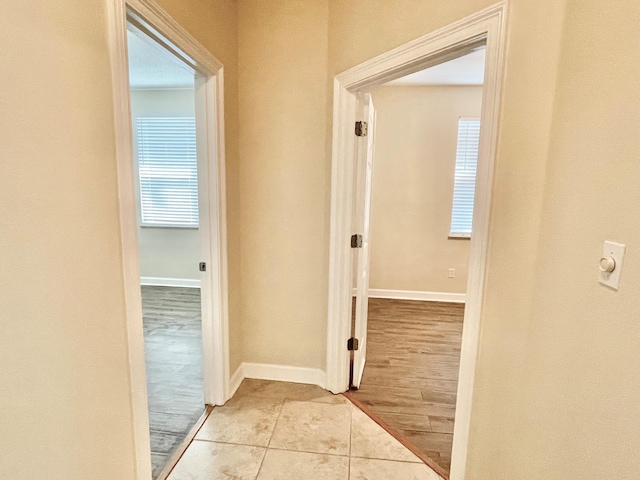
(465, 177)
(168, 171)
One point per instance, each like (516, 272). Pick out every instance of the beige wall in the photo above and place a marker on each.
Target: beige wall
(214, 23)
(412, 194)
(65, 397)
(283, 180)
(165, 252)
(580, 410)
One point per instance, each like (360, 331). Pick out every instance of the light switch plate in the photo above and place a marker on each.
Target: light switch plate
(616, 251)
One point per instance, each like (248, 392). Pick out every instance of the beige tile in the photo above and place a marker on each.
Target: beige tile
(313, 427)
(247, 421)
(370, 440)
(287, 465)
(369, 469)
(285, 390)
(208, 460)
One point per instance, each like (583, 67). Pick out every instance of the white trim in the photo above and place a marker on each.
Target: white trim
(284, 373)
(416, 295)
(170, 282)
(129, 237)
(451, 41)
(236, 380)
(280, 373)
(215, 320)
(174, 37)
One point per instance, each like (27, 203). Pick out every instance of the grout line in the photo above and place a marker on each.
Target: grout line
(229, 443)
(307, 451)
(261, 462)
(275, 424)
(418, 461)
(349, 456)
(276, 448)
(395, 461)
(312, 400)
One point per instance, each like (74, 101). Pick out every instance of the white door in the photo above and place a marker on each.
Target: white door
(362, 214)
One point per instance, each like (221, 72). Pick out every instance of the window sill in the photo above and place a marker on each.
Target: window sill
(459, 237)
(180, 227)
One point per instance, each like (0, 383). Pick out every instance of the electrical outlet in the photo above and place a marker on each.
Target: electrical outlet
(452, 272)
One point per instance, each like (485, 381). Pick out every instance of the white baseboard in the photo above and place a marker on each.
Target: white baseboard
(281, 373)
(170, 282)
(421, 296)
(236, 380)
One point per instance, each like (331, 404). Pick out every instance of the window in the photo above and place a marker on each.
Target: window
(465, 177)
(168, 171)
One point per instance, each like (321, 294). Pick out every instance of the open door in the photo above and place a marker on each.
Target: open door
(365, 132)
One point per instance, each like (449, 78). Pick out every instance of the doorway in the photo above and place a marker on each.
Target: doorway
(162, 96)
(454, 41)
(168, 93)
(425, 149)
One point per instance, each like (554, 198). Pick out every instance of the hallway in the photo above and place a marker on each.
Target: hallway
(277, 430)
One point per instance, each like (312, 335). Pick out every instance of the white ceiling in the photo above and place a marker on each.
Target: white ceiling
(149, 67)
(465, 70)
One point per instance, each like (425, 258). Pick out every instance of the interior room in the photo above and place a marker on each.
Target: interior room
(166, 192)
(424, 164)
(549, 375)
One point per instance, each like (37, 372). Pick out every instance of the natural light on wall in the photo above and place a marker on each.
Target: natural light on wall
(168, 171)
(465, 177)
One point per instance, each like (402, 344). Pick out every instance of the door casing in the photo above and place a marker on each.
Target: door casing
(209, 96)
(484, 27)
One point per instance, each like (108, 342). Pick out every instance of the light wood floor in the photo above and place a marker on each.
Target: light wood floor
(173, 354)
(411, 374)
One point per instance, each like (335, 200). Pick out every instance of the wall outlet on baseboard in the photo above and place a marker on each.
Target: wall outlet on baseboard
(452, 272)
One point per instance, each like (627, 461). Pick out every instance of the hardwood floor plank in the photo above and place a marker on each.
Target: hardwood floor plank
(435, 396)
(408, 393)
(173, 357)
(441, 424)
(411, 375)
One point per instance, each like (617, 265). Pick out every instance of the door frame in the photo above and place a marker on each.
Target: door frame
(209, 93)
(486, 26)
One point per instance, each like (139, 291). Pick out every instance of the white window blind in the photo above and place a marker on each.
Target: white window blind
(168, 171)
(465, 177)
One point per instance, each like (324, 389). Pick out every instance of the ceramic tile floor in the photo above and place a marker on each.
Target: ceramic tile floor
(282, 431)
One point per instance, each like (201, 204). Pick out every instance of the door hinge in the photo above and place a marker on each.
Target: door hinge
(356, 241)
(361, 129)
(202, 266)
(352, 344)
